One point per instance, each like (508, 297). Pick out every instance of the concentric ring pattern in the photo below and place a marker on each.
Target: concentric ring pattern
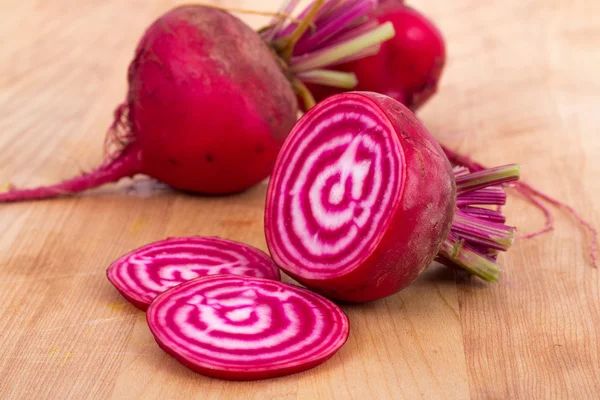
(145, 272)
(246, 328)
(336, 183)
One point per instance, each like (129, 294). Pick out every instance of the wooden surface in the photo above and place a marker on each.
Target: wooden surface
(521, 85)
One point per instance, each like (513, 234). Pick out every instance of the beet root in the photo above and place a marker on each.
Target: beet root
(362, 199)
(207, 110)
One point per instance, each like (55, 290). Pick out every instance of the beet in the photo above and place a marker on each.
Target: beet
(243, 328)
(145, 272)
(362, 199)
(210, 101)
(407, 67)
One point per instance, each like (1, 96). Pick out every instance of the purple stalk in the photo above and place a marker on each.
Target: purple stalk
(491, 195)
(485, 178)
(336, 22)
(323, 11)
(534, 196)
(278, 23)
(482, 231)
(484, 213)
(477, 234)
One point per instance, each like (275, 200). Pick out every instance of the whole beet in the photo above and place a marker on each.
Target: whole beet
(207, 110)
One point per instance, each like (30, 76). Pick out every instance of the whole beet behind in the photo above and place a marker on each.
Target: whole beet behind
(230, 105)
(210, 101)
(207, 109)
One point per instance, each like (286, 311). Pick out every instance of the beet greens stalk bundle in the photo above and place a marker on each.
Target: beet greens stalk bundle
(340, 31)
(210, 101)
(362, 199)
(407, 67)
(535, 197)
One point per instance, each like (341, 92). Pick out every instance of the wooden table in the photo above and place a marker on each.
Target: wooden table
(521, 85)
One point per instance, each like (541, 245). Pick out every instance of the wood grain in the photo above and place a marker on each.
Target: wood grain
(520, 86)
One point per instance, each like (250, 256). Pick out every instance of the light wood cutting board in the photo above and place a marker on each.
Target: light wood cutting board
(521, 85)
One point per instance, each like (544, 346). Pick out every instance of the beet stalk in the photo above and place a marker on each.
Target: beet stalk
(362, 199)
(243, 328)
(406, 67)
(145, 272)
(534, 196)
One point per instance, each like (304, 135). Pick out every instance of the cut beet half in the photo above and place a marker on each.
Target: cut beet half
(362, 198)
(149, 270)
(242, 328)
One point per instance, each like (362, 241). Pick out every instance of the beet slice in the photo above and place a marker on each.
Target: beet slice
(243, 328)
(149, 270)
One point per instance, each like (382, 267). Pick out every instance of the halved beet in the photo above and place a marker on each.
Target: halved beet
(242, 328)
(149, 270)
(362, 199)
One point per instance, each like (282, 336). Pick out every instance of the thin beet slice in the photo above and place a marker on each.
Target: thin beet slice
(149, 270)
(242, 328)
(362, 199)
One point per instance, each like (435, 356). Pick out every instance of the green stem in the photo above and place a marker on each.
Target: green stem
(488, 177)
(305, 94)
(455, 251)
(345, 49)
(344, 80)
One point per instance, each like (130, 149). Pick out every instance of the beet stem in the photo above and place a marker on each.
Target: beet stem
(276, 24)
(455, 251)
(289, 42)
(487, 177)
(344, 80)
(304, 94)
(336, 21)
(127, 164)
(530, 193)
(332, 54)
(477, 234)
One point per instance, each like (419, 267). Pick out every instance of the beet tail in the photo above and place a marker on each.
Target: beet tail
(126, 164)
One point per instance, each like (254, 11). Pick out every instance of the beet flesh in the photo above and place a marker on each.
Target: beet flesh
(145, 272)
(207, 110)
(242, 328)
(407, 67)
(360, 200)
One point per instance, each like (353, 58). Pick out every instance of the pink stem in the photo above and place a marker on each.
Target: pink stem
(127, 164)
(549, 219)
(575, 214)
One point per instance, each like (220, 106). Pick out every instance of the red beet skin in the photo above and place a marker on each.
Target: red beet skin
(145, 272)
(207, 110)
(211, 100)
(407, 67)
(242, 328)
(360, 200)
